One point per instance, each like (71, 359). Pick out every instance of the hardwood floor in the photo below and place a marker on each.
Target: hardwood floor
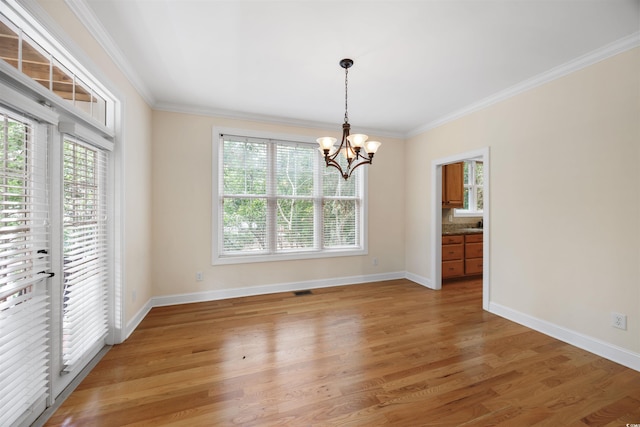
(386, 353)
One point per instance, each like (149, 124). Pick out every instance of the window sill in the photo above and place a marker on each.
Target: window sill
(246, 259)
(460, 213)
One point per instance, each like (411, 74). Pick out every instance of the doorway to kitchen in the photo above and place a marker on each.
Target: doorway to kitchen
(481, 155)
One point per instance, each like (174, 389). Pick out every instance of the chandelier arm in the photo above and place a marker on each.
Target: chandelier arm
(344, 142)
(331, 162)
(363, 162)
(359, 155)
(352, 163)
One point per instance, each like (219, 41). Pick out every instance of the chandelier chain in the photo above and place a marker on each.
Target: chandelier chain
(346, 114)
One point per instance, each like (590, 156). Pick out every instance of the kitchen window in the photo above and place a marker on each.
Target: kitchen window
(473, 198)
(276, 200)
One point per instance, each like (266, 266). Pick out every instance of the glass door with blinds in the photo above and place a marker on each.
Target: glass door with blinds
(53, 217)
(57, 181)
(24, 267)
(85, 255)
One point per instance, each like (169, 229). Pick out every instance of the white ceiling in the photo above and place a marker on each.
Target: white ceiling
(416, 62)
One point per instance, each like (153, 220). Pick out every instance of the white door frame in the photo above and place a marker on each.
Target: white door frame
(436, 219)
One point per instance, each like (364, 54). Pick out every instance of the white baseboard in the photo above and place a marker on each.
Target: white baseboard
(424, 281)
(593, 345)
(271, 289)
(161, 301)
(137, 318)
(608, 351)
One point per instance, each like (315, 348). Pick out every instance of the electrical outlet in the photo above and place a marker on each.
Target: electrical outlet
(375, 261)
(199, 276)
(134, 296)
(619, 321)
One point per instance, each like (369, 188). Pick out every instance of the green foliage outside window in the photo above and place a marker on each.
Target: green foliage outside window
(473, 179)
(14, 161)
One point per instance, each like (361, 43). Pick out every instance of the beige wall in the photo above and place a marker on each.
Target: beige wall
(182, 197)
(564, 157)
(135, 142)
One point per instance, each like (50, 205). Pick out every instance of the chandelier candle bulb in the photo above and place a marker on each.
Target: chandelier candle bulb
(351, 145)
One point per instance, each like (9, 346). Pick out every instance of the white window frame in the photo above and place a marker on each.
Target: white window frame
(217, 221)
(473, 192)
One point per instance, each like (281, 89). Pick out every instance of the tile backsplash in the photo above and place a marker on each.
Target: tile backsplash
(469, 221)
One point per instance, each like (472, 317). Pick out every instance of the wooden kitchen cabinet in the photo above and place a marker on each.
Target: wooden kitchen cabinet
(473, 254)
(452, 256)
(453, 185)
(462, 255)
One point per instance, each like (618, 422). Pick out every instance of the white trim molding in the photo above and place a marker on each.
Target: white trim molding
(607, 51)
(86, 16)
(585, 342)
(420, 280)
(271, 253)
(268, 119)
(436, 219)
(161, 301)
(603, 349)
(137, 319)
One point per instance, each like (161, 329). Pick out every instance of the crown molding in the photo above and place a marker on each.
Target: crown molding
(607, 51)
(275, 120)
(86, 16)
(93, 25)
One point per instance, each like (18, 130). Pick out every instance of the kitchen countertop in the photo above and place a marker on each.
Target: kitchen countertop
(458, 231)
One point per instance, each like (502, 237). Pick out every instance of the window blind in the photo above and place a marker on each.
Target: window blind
(85, 250)
(278, 197)
(341, 210)
(24, 243)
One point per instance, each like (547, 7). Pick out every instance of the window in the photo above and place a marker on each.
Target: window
(473, 192)
(277, 200)
(43, 63)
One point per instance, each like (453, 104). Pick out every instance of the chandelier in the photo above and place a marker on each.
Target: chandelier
(351, 146)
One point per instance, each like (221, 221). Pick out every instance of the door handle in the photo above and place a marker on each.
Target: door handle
(51, 274)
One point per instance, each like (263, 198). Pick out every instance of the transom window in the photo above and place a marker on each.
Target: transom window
(24, 48)
(473, 189)
(277, 200)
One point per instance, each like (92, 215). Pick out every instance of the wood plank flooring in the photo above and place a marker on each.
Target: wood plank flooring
(386, 353)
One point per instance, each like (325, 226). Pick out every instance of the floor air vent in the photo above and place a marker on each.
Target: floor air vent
(301, 293)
